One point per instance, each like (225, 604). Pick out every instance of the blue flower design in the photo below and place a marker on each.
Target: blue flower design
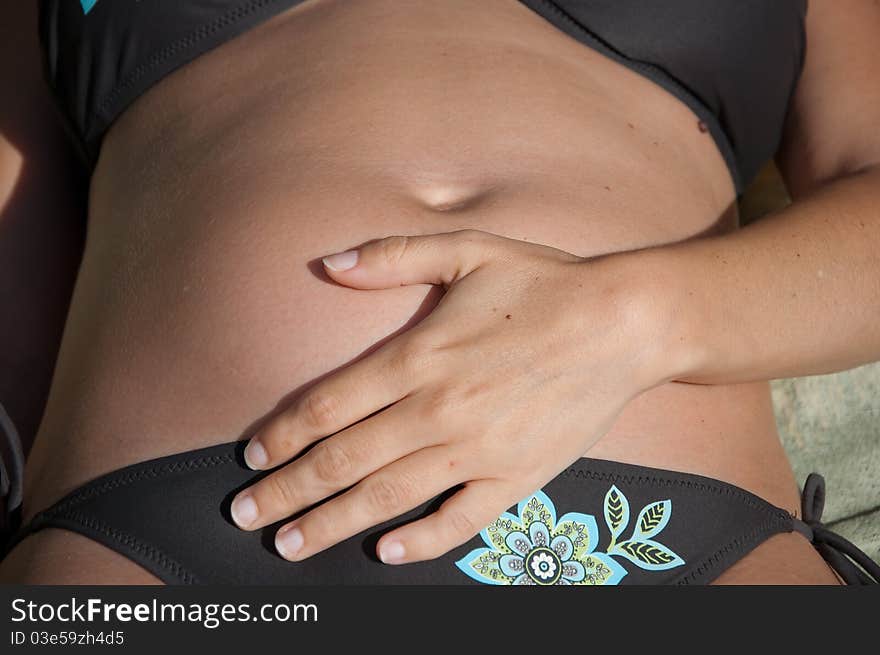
(534, 548)
(87, 5)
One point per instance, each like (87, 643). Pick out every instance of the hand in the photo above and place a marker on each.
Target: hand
(524, 363)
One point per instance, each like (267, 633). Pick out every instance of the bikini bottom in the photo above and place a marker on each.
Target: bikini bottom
(598, 522)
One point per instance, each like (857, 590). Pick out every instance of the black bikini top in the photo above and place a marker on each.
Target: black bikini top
(735, 63)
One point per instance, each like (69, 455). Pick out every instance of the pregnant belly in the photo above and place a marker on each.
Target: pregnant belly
(201, 306)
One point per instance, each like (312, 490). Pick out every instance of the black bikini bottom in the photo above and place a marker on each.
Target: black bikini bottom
(598, 522)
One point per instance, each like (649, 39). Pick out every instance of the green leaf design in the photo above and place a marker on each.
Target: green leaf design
(579, 533)
(483, 564)
(649, 554)
(597, 572)
(652, 519)
(646, 553)
(496, 532)
(616, 511)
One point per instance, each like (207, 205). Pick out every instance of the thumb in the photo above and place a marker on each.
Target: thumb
(402, 260)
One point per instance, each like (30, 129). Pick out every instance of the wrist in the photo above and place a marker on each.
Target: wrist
(661, 313)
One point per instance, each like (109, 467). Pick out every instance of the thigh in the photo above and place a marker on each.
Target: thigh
(60, 557)
(41, 233)
(784, 559)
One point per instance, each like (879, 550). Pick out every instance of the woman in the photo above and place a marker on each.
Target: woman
(537, 292)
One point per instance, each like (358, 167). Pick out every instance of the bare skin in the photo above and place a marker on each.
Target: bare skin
(41, 233)
(200, 270)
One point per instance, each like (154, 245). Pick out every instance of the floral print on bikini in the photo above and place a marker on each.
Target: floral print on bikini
(536, 548)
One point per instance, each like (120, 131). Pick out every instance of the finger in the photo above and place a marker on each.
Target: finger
(456, 521)
(340, 400)
(422, 259)
(386, 494)
(334, 464)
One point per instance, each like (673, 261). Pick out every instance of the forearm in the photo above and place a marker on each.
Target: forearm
(797, 293)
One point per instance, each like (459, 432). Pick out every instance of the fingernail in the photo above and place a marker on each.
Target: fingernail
(244, 511)
(288, 542)
(255, 455)
(392, 552)
(341, 261)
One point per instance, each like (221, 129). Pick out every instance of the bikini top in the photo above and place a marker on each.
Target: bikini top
(735, 63)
